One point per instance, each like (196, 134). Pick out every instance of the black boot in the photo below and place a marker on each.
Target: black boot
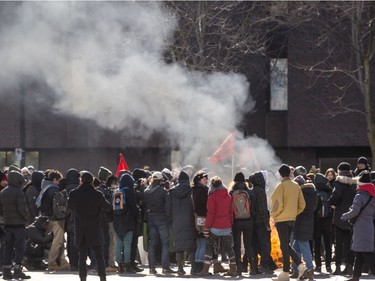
(136, 268)
(120, 267)
(83, 278)
(103, 278)
(7, 273)
(128, 268)
(253, 267)
(18, 274)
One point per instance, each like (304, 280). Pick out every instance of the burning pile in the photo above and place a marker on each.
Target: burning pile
(275, 245)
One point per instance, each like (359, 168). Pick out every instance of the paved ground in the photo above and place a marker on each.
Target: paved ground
(71, 276)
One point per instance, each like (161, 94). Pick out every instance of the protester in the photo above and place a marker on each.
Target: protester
(261, 220)
(218, 225)
(243, 205)
(341, 200)
(303, 229)
(363, 209)
(32, 191)
(87, 223)
(181, 215)
(13, 209)
(156, 217)
(323, 224)
(287, 203)
(126, 214)
(200, 196)
(50, 187)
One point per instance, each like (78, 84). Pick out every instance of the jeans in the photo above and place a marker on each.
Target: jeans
(201, 250)
(158, 228)
(123, 247)
(285, 230)
(15, 238)
(302, 247)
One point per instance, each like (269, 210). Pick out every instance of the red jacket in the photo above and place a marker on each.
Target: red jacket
(219, 210)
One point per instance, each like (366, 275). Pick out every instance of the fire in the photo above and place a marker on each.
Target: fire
(275, 245)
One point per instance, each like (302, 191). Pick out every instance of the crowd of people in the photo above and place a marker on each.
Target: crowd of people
(93, 222)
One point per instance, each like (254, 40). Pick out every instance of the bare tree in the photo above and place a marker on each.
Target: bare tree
(221, 35)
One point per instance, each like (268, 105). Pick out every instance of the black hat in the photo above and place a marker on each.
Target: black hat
(344, 166)
(284, 170)
(126, 180)
(362, 160)
(364, 178)
(199, 175)
(139, 174)
(239, 177)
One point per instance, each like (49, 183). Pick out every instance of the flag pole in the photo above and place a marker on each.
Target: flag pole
(232, 166)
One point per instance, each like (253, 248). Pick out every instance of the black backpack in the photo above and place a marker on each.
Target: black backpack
(60, 205)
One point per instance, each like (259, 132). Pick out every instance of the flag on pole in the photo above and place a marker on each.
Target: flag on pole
(121, 165)
(225, 150)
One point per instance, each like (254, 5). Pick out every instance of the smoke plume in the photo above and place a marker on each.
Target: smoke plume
(111, 54)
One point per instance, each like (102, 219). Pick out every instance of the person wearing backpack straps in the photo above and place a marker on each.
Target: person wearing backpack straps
(50, 188)
(363, 208)
(242, 221)
(125, 218)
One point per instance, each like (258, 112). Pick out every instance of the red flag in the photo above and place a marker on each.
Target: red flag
(121, 165)
(225, 150)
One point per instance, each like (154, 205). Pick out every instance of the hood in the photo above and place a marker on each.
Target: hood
(37, 178)
(320, 181)
(72, 177)
(183, 176)
(181, 190)
(257, 179)
(370, 188)
(126, 180)
(346, 180)
(220, 190)
(16, 179)
(45, 183)
(308, 190)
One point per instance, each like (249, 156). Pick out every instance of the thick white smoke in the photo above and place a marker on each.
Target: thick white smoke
(111, 54)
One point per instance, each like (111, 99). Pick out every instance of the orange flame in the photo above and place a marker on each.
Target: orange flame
(276, 253)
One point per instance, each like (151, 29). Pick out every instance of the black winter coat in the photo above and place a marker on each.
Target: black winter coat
(13, 205)
(342, 197)
(154, 201)
(128, 221)
(304, 224)
(181, 214)
(87, 205)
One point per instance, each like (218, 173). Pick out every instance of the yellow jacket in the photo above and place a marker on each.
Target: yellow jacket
(287, 201)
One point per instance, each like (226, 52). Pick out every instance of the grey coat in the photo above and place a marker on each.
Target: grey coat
(180, 212)
(363, 229)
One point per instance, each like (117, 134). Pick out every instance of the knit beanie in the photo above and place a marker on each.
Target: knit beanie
(344, 166)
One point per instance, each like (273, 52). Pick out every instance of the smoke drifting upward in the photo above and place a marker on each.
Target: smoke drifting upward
(111, 54)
